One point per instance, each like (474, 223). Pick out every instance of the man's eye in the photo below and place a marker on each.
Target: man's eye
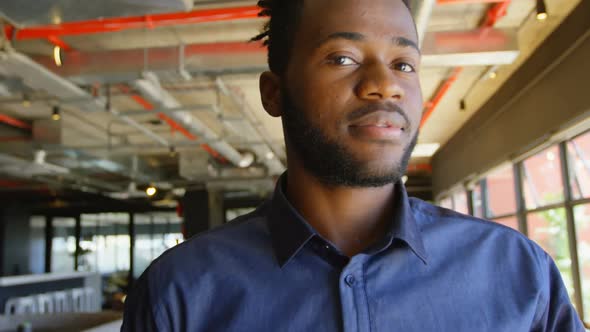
(343, 61)
(405, 67)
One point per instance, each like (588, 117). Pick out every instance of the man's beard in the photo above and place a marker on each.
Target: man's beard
(331, 162)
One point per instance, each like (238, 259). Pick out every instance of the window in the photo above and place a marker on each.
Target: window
(63, 245)
(511, 222)
(460, 202)
(549, 229)
(37, 245)
(582, 222)
(546, 209)
(542, 179)
(578, 151)
(154, 234)
(501, 193)
(104, 243)
(446, 203)
(477, 197)
(231, 214)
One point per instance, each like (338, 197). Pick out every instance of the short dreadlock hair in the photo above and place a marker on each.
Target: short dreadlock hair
(279, 31)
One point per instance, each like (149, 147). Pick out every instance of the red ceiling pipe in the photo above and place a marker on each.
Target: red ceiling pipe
(175, 126)
(442, 91)
(134, 22)
(495, 13)
(14, 122)
(58, 42)
(11, 184)
(415, 168)
(492, 16)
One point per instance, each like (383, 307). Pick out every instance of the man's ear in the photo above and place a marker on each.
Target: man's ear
(270, 92)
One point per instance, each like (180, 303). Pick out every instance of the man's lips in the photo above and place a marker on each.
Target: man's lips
(381, 119)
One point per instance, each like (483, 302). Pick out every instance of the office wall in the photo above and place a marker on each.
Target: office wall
(550, 92)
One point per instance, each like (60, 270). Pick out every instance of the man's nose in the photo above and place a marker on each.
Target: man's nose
(378, 82)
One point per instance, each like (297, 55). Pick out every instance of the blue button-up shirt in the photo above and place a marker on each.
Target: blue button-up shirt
(434, 270)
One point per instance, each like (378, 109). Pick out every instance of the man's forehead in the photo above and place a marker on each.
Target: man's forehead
(386, 18)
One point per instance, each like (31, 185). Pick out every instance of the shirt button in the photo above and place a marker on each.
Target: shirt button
(349, 279)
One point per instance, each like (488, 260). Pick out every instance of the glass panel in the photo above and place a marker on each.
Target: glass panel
(477, 197)
(579, 165)
(113, 243)
(88, 233)
(542, 179)
(37, 245)
(143, 244)
(582, 218)
(548, 228)
(155, 233)
(63, 245)
(511, 222)
(501, 193)
(460, 202)
(231, 214)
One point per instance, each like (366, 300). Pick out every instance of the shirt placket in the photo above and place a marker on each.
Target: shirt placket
(353, 297)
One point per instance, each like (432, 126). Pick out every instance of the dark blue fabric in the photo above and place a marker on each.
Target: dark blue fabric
(434, 270)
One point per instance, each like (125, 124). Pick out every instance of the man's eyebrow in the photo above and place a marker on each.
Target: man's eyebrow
(405, 42)
(355, 36)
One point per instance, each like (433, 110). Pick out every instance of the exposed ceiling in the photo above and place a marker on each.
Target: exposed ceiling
(168, 95)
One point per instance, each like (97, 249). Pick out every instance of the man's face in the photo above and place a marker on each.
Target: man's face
(351, 94)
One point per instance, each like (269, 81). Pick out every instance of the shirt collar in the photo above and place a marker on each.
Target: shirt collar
(290, 232)
(404, 225)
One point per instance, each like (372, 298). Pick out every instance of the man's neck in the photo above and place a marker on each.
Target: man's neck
(350, 218)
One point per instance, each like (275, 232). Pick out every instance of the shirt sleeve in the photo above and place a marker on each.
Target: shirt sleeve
(556, 312)
(139, 315)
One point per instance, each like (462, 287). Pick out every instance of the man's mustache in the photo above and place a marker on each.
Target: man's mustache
(376, 107)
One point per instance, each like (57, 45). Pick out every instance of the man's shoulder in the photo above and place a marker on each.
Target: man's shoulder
(428, 214)
(244, 237)
(462, 228)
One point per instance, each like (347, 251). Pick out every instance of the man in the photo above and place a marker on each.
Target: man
(340, 246)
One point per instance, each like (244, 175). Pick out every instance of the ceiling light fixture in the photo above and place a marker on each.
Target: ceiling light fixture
(57, 56)
(151, 191)
(55, 115)
(26, 100)
(541, 10)
(425, 150)
(462, 105)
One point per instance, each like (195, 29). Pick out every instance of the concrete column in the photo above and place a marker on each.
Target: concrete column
(196, 212)
(15, 240)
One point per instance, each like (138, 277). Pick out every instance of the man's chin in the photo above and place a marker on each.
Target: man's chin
(360, 178)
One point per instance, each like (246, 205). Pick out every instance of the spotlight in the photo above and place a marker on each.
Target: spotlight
(151, 191)
(55, 115)
(247, 160)
(541, 10)
(57, 56)
(493, 75)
